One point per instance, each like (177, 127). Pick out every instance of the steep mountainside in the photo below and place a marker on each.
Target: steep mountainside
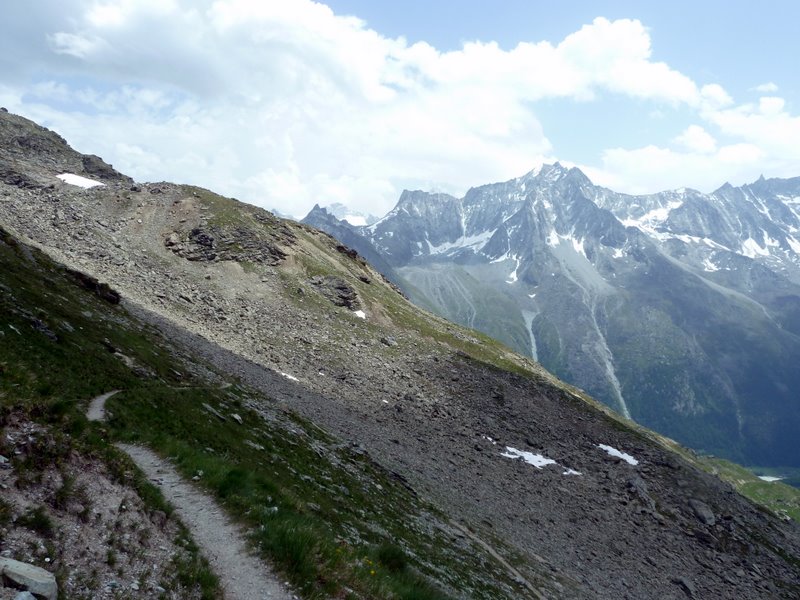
(390, 443)
(679, 309)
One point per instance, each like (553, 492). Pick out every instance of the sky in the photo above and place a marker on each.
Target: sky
(288, 103)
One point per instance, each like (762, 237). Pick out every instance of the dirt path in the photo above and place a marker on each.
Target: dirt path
(97, 407)
(242, 576)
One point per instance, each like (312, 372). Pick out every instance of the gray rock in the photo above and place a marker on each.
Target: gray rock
(638, 488)
(389, 341)
(25, 596)
(33, 579)
(337, 290)
(686, 585)
(214, 412)
(702, 512)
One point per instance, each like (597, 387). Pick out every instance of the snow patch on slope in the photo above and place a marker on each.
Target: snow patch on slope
(752, 249)
(554, 239)
(611, 451)
(709, 266)
(77, 180)
(537, 460)
(475, 242)
(513, 277)
(528, 316)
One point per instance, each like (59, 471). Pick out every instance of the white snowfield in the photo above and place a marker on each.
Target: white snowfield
(537, 460)
(614, 452)
(289, 377)
(360, 314)
(356, 220)
(77, 180)
(770, 478)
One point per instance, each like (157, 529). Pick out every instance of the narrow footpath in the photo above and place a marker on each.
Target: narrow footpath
(242, 576)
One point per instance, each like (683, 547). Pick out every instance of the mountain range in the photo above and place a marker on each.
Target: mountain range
(679, 309)
(366, 448)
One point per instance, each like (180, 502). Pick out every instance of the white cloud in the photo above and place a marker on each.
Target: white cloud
(766, 88)
(714, 97)
(762, 139)
(696, 139)
(652, 168)
(767, 125)
(76, 45)
(285, 104)
(759, 138)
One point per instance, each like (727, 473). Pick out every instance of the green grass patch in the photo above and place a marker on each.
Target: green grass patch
(781, 499)
(37, 519)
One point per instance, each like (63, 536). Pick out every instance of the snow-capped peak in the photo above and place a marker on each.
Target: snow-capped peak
(354, 217)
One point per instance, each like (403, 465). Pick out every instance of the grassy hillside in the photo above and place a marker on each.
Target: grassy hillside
(781, 498)
(334, 522)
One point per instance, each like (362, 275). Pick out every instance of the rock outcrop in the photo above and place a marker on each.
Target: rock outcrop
(33, 579)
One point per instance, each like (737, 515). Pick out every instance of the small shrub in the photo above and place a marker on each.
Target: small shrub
(293, 544)
(392, 557)
(64, 493)
(236, 481)
(191, 572)
(6, 512)
(37, 519)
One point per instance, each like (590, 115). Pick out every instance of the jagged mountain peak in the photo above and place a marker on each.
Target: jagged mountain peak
(725, 187)
(552, 171)
(415, 202)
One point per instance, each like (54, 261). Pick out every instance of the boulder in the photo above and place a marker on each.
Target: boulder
(337, 290)
(97, 167)
(173, 239)
(35, 580)
(702, 512)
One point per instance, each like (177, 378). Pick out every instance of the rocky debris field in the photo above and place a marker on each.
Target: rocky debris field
(615, 530)
(88, 530)
(429, 406)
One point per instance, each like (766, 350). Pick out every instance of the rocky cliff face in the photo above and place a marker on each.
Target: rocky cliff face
(569, 499)
(678, 309)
